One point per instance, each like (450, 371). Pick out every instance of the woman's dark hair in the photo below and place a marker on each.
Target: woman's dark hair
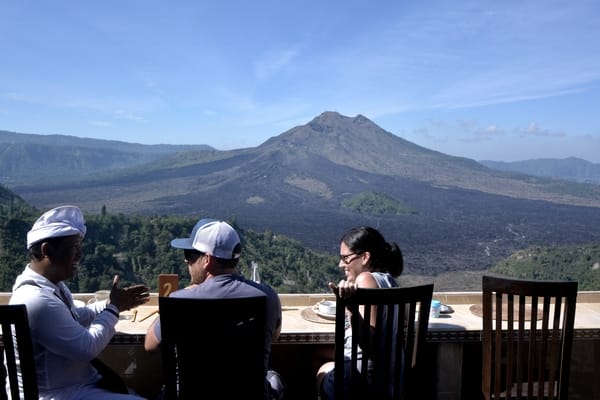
(385, 257)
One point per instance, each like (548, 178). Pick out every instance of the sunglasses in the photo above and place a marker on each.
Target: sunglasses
(344, 257)
(191, 256)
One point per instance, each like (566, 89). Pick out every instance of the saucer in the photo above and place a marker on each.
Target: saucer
(309, 314)
(323, 315)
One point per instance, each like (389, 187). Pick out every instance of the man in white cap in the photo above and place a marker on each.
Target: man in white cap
(67, 338)
(212, 253)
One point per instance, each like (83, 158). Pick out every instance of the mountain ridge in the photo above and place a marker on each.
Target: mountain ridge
(23, 156)
(570, 168)
(464, 216)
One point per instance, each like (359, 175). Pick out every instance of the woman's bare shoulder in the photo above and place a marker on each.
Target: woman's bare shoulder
(366, 280)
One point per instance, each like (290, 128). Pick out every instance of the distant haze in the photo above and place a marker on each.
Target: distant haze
(573, 169)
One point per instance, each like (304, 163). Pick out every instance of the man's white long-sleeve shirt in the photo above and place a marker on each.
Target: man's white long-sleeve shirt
(65, 338)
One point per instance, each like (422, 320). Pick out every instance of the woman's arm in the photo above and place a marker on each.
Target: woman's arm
(364, 280)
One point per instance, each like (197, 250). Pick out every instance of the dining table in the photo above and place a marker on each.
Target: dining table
(301, 324)
(304, 324)
(307, 340)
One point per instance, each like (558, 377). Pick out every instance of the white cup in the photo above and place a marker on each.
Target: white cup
(327, 307)
(100, 295)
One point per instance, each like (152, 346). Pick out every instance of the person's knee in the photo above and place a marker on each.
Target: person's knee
(324, 380)
(277, 386)
(325, 368)
(322, 372)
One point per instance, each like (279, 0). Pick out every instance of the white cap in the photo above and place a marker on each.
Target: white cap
(60, 221)
(209, 236)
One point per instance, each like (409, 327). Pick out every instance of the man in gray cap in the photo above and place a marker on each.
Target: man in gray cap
(212, 253)
(67, 338)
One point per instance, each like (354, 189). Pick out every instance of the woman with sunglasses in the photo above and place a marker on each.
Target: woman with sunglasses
(368, 261)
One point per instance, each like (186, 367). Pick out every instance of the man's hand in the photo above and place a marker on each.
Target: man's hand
(130, 297)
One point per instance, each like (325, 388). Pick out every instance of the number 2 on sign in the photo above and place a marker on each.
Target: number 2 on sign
(167, 288)
(167, 284)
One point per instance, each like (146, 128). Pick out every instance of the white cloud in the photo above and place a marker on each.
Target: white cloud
(120, 114)
(533, 129)
(101, 123)
(272, 63)
(478, 133)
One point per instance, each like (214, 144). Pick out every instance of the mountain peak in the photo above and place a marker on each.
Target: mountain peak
(328, 127)
(329, 132)
(333, 119)
(326, 116)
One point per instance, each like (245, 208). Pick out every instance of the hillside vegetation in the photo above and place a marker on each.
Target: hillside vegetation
(375, 203)
(573, 263)
(137, 248)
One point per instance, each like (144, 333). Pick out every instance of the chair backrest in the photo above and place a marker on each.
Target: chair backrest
(213, 348)
(392, 346)
(18, 352)
(527, 349)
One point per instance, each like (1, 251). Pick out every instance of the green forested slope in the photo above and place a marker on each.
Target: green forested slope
(376, 203)
(580, 263)
(137, 248)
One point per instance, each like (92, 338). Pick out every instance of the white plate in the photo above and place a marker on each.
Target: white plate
(78, 303)
(320, 314)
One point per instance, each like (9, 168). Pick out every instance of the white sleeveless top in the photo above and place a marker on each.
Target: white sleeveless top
(384, 280)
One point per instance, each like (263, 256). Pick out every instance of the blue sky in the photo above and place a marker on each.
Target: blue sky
(499, 80)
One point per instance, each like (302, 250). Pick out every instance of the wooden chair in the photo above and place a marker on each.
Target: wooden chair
(527, 350)
(393, 347)
(213, 348)
(18, 353)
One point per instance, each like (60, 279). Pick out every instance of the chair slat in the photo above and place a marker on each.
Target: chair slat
(510, 342)
(16, 336)
(543, 347)
(555, 346)
(498, 344)
(522, 346)
(531, 362)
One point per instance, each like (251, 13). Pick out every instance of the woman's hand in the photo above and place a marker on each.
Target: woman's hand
(348, 290)
(130, 297)
(345, 288)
